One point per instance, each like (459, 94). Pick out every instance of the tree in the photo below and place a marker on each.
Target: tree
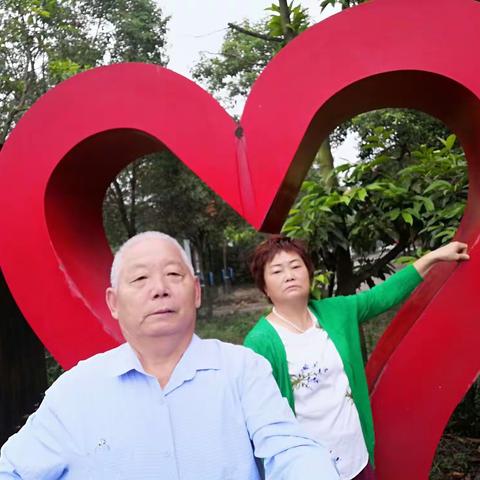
(45, 42)
(36, 38)
(408, 129)
(247, 48)
(167, 196)
(242, 57)
(381, 208)
(403, 131)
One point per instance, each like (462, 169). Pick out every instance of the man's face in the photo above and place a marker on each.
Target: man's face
(156, 294)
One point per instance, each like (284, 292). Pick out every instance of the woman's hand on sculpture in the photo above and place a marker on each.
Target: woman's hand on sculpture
(451, 252)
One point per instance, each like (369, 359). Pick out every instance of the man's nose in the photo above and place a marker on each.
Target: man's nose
(159, 288)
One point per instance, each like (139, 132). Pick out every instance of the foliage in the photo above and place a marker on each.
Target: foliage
(382, 204)
(159, 192)
(299, 19)
(356, 224)
(343, 3)
(240, 60)
(54, 370)
(408, 130)
(43, 42)
(246, 50)
(139, 31)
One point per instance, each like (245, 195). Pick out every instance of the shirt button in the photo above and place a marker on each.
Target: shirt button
(161, 401)
(166, 454)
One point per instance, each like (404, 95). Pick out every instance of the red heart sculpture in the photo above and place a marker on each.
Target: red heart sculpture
(59, 160)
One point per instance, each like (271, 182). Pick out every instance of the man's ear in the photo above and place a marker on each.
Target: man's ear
(111, 299)
(198, 293)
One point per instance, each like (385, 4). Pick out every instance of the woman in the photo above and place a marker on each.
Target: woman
(314, 345)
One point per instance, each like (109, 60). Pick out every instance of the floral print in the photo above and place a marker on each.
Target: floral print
(308, 376)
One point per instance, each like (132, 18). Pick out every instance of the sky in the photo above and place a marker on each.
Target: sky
(198, 26)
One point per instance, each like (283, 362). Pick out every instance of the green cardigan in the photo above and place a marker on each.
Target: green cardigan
(340, 317)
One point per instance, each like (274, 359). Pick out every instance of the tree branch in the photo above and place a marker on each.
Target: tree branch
(382, 262)
(133, 188)
(122, 208)
(251, 33)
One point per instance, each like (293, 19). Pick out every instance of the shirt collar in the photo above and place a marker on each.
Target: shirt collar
(199, 355)
(123, 360)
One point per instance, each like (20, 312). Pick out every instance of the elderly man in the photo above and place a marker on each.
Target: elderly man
(165, 404)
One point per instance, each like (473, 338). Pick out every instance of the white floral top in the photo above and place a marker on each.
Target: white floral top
(323, 400)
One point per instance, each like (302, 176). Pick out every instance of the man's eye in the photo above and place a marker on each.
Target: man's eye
(140, 278)
(174, 274)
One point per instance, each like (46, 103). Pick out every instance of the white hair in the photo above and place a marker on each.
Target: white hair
(118, 258)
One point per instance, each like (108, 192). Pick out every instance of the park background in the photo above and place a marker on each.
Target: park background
(385, 187)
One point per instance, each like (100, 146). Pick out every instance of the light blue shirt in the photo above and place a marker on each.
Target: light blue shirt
(108, 419)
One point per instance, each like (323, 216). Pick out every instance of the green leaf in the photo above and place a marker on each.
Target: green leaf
(449, 142)
(362, 194)
(376, 187)
(407, 217)
(437, 184)
(394, 214)
(324, 208)
(429, 206)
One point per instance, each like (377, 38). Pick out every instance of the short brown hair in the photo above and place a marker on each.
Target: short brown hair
(265, 251)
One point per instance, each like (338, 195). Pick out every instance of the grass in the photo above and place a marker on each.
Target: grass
(229, 328)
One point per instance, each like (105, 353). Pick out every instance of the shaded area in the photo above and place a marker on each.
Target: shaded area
(23, 376)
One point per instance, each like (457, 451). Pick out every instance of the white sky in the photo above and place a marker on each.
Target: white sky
(198, 26)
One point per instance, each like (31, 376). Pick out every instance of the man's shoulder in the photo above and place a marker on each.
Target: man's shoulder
(100, 362)
(230, 354)
(224, 348)
(87, 372)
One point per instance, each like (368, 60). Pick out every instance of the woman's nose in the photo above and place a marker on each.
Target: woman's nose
(289, 275)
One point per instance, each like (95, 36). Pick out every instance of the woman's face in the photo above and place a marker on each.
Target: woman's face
(286, 278)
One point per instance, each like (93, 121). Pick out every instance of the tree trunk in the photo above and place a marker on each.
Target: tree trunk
(347, 284)
(324, 159)
(346, 281)
(23, 376)
(126, 219)
(288, 32)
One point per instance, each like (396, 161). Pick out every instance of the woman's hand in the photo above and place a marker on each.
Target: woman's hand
(452, 252)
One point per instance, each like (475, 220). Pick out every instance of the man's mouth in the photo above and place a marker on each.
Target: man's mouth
(162, 311)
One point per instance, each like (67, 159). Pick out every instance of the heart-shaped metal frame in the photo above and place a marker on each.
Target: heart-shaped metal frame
(58, 161)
